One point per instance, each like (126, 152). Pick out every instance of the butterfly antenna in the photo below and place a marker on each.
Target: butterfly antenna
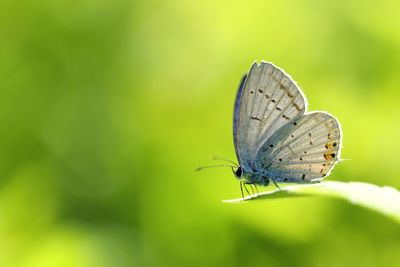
(227, 160)
(214, 166)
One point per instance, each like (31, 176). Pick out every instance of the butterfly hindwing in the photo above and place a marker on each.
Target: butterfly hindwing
(302, 151)
(267, 100)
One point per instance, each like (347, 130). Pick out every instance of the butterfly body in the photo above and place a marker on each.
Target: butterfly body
(275, 139)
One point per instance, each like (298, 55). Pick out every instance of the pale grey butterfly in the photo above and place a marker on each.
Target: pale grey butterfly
(275, 138)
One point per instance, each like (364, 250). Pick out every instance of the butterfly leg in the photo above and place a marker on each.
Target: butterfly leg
(276, 184)
(252, 188)
(255, 186)
(241, 189)
(245, 188)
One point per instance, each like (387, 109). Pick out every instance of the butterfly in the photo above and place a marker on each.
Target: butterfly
(275, 138)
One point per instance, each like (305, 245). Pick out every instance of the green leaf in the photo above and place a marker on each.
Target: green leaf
(384, 200)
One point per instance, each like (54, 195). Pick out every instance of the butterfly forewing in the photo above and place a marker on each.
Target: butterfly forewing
(236, 114)
(304, 150)
(268, 100)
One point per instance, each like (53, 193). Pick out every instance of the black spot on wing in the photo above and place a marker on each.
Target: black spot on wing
(255, 118)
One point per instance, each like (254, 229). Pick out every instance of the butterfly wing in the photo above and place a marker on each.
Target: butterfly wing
(236, 114)
(267, 99)
(304, 150)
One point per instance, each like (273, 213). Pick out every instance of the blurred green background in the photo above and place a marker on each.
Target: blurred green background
(107, 107)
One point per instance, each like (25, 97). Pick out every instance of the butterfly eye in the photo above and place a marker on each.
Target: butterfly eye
(238, 172)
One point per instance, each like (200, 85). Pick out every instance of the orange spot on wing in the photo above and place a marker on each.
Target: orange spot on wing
(330, 145)
(329, 156)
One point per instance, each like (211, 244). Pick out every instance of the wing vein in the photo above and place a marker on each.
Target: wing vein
(270, 112)
(280, 148)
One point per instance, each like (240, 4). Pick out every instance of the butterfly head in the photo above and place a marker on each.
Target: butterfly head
(251, 176)
(238, 173)
(243, 175)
